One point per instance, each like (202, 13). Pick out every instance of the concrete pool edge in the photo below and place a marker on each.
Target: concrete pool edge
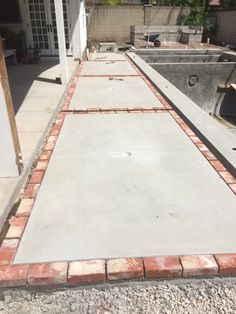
(219, 140)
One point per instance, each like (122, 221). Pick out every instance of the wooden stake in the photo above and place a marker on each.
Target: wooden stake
(10, 109)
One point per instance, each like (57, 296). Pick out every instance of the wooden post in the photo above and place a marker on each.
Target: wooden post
(61, 41)
(10, 153)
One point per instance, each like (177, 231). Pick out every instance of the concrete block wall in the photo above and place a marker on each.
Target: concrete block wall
(205, 92)
(226, 27)
(165, 15)
(112, 23)
(167, 33)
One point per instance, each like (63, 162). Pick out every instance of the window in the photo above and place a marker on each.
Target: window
(9, 11)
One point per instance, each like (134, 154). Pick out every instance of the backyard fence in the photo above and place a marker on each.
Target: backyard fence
(112, 23)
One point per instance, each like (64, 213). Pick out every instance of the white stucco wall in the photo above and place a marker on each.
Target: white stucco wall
(79, 28)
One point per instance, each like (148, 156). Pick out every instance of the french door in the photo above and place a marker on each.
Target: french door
(43, 25)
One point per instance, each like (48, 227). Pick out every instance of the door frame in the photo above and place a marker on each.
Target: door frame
(52, 51)
(55, 51)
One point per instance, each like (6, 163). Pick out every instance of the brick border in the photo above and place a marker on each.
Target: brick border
(109, 75)
(111, 270)
(117, 269)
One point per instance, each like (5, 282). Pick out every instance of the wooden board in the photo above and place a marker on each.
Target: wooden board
(10, 109)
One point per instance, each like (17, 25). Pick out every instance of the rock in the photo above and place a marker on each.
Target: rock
(7, 298)
(73, 307)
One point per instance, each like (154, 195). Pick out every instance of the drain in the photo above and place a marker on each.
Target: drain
(127, 154)
(193, 79)
(234, 148)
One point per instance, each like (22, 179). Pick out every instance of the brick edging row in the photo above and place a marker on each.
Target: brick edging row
(100, 271)
(104, 270)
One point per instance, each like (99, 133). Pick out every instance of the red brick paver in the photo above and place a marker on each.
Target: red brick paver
(217, 165)
(229, 179)
(227, 264)
(47, 273)
(17, 227)
(125, 268)
(162, 267)
(37, 176)
(25, 207)
(13, 275)
(41, 165)
(31, 191)
(199, 265)
(87, 271)
(45, 154)
(8, 250)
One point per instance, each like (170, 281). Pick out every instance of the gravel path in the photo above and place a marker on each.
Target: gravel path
(198, 297)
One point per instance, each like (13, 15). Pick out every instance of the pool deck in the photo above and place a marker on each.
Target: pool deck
(123, 189)
(36, 96)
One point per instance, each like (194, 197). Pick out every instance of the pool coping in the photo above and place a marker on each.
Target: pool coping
(83, 272)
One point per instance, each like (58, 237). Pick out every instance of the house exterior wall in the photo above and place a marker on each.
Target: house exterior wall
(78, 40)
(24, 25)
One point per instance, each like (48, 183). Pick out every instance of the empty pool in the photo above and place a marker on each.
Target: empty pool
(205, 76)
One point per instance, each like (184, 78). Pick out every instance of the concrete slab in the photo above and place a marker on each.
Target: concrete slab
(108, 68)
(103, 56)
(36, 96)
(102, 92)
(127, 185)
(219, 140)
(38, 122)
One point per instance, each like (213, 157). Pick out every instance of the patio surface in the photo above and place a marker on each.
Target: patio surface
(36, 96)
(108, 68)
(130, 184)
(118, 92)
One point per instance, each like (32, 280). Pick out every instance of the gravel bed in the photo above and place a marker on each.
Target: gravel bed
(196, 297)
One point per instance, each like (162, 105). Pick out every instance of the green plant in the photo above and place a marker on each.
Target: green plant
(229, 3)
(197, 15)
(112, 2)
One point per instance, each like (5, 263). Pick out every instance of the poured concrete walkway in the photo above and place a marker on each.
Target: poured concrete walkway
(36, 96)
(130, 184)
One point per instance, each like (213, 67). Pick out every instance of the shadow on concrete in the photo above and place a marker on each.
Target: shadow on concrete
(227, 108)
(22, 76)
(47, 80)
(221, 103)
